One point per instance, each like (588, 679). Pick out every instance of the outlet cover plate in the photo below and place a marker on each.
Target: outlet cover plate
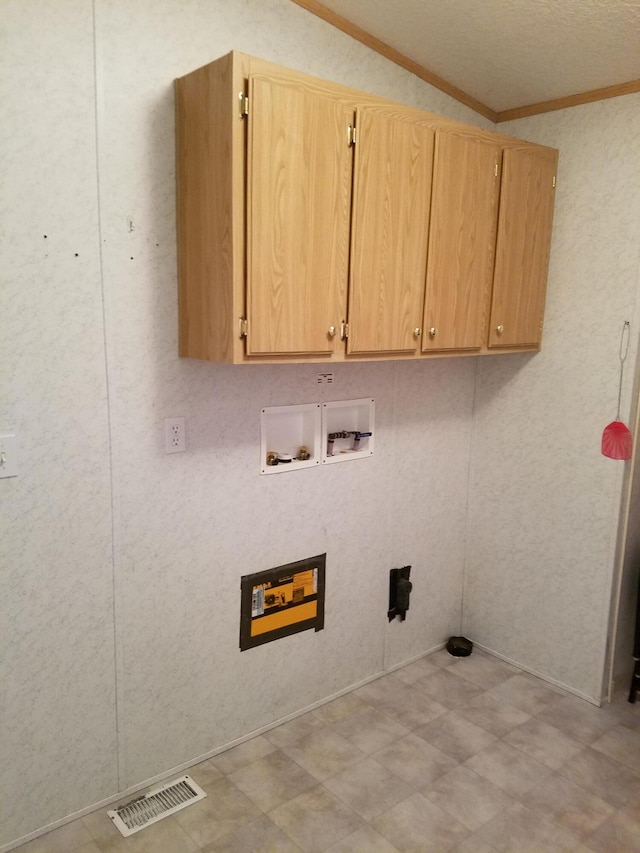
(175, 440)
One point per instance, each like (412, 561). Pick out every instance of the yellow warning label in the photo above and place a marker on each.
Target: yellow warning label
(283, 618)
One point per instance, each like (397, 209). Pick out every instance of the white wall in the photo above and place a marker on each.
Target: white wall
(543, 502)
(90, 710)
(121, 565)
(57, 717)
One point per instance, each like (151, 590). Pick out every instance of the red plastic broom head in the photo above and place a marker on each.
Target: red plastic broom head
(617, 441)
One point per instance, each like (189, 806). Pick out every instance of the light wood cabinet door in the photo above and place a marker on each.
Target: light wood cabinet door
(461, 242)
(522, 248)
(391, 201)
(299, 167)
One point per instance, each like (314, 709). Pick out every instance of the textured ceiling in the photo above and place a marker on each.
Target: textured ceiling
(509, 53)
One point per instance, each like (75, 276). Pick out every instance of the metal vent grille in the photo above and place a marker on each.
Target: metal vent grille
(155, 805)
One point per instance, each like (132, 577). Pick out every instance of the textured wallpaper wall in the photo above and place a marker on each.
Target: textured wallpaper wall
(543, 502)
(57, 720)
(122, 565)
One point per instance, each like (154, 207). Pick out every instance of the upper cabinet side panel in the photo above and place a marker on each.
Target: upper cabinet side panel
(204, 166)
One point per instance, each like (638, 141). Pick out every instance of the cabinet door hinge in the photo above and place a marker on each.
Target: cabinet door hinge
(244, 104)
(243, 328)
(351, 134)
(495, 172)
(344, 331)
(553, 184)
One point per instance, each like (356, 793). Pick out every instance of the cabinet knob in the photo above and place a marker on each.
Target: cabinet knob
(433, 332)
(417, 332)
(500, 329)
(332, 331)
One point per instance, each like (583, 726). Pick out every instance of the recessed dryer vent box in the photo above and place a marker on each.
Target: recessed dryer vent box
(347, 430)
(291, 434)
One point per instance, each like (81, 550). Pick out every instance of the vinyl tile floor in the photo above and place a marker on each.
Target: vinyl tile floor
(447, 754)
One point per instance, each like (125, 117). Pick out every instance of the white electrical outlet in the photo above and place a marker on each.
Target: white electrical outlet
(175, 440)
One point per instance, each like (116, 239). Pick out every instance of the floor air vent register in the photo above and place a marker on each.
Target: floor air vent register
(155, 805)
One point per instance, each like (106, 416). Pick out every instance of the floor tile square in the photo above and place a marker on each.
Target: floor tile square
(566, 804)
(410, 707)
(619, 834)
(101, 827)
(323, 753)
(259, 836)
(485, 671)
(625, 713)
(166, 836)
(272, 780)
(418, 669)
(526, 692)
(205, 774)
(415, 760)
(577, 718)
(443, 658)
(368, 788)
(447, 688)
(520, 830)
(419, 826)
(622, 744)
(474, 844)
(508, 768)
(634, 803)
(245, 753)
(370, 729)
(455, 736)
(378, 690)
(223, 811)
(365, 840)
(546, 744)
(315, 820)
(339, 708)
(467, 797)
(602, 776)
(492, 714)
(293, 730)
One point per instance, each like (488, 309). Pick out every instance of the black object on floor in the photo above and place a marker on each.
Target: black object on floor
(459, 647)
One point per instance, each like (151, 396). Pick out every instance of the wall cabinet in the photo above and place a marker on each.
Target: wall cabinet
(390, 226)
(522, 247)
(317, 223)
(464, 213)
(298, 196)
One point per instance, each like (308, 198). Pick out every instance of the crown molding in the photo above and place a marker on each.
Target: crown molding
(570, 101)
